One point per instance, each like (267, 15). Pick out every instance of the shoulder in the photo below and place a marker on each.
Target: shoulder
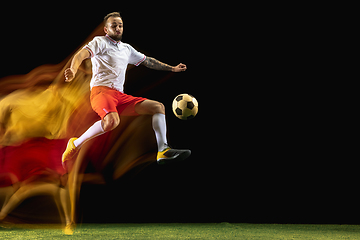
(129, 47)
(98, 40)
(126, 45)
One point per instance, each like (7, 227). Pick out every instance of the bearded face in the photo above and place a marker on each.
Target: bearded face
(114, 28)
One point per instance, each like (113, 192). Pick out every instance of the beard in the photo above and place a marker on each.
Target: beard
(116, 37)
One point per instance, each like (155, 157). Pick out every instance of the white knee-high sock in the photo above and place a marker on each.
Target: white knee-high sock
(94, 131)
(159, 126)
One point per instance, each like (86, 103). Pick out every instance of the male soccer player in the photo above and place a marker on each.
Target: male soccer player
(109, 58)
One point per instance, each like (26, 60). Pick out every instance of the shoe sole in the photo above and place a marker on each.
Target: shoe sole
(177, 158)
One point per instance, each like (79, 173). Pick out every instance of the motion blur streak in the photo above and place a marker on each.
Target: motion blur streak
(40, 104)
(39, 112)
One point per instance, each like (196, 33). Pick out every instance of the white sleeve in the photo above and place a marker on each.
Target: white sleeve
(136, 57)
(93, 47)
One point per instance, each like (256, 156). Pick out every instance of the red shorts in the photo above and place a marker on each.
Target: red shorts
(105, 100)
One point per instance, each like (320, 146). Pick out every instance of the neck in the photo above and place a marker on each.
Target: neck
(113, 39)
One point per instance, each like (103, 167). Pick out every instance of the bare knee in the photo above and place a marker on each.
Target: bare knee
(159, 108)
(110, 122)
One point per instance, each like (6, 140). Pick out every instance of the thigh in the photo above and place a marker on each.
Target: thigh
(127, 103)
(149, 107)
(103, 102)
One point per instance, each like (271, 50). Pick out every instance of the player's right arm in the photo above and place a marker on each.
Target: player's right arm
(75, 63)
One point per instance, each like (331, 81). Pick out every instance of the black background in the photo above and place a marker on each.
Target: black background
(265, 147)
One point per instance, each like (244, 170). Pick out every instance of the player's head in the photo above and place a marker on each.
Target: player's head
(113, 25)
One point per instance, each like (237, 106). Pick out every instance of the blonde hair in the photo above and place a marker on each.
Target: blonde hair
(113, 14)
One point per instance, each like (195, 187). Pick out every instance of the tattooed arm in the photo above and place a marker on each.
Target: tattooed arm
(157, 65)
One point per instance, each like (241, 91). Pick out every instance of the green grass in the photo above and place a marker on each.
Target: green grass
(186, 231)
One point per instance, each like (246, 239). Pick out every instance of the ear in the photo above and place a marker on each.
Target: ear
(106, 30)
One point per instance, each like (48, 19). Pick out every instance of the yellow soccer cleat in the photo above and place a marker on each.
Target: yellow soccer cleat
(70, 151)
(172, 155)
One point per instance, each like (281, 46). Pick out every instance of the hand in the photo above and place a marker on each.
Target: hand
(69, 74)
(179, 68)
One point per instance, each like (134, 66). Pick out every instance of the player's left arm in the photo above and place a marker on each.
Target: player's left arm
(157, 65)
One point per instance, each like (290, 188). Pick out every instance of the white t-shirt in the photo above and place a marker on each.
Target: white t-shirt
(109, 61)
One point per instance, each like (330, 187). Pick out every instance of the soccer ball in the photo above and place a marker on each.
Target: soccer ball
(185, 106)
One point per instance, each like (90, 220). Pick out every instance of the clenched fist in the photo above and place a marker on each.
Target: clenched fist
(69, 74)
(179, 68)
